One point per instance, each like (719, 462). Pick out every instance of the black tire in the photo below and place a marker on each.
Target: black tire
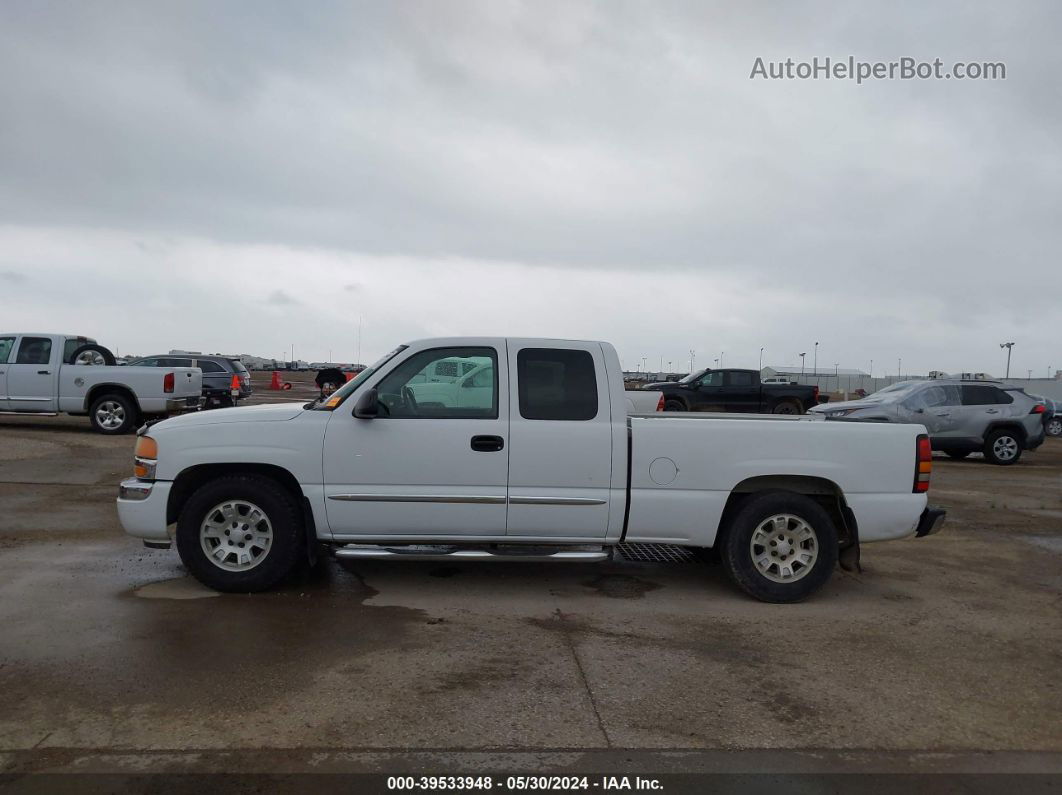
(1054, 427)
(1003, 447)
(674, 405)
(787, 407)
(114, 414)
(958, 455)
(92, 348)
(281, 510)
(738, 556)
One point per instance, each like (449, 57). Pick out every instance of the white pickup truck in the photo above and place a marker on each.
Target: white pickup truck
(550, 466)
(46, 374)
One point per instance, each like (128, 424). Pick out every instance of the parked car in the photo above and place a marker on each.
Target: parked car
(736, 391)
(962, 417)
(1054, 421)
(50, 373)
(549, 467)
(217, 375)
(1048, 417)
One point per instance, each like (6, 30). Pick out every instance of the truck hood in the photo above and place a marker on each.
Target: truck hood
(270, 412)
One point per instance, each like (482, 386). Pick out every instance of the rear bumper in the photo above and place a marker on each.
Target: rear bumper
(142, 508)
(930, 522)
(178, 405)
(1037, 439)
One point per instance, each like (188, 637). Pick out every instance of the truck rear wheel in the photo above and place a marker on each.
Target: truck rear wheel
(780, 547)
(241, 534)
(113, 414)
(786, 407)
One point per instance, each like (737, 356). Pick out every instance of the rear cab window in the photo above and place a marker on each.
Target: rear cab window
(556, 384)
(34, 350)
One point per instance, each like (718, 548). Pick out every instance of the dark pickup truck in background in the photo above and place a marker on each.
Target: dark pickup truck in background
(735, 391)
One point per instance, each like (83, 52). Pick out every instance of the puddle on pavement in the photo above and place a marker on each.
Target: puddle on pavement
(621, 586)
(178, 588)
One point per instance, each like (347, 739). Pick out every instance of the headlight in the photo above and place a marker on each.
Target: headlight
(840, 412)
(145, 458)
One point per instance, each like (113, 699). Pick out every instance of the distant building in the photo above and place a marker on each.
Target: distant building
(822, 372)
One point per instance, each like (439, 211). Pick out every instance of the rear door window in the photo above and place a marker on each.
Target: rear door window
(983, 395)
(34, 350)
(210, 367)
(738, 379)
(6, 344)
(556, 384)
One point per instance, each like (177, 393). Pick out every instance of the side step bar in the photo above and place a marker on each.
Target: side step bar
(535, 555)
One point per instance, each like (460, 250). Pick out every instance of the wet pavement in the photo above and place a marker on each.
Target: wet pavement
(109, 652)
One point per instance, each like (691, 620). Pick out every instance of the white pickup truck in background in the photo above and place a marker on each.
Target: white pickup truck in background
(47, 374)
(546, 463)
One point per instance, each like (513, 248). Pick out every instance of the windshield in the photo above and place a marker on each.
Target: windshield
(895, 391)
(350, 386)
(692, 376)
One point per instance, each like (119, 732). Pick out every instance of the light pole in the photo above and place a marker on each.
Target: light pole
(815, 363)
(1008, 346)
(1030, 375)
(899, 364)
(720, 358)
(761, 358)
(693, 356)
(802, 363)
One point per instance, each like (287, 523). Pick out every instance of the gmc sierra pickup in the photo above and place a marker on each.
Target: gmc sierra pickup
(545, 464)
(45, 374)
(735, 391)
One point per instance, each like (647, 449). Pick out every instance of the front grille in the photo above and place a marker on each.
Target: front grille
(656, 553)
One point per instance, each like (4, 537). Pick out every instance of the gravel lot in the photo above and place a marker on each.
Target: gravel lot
(111, 658)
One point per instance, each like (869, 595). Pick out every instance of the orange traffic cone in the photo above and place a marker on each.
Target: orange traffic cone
(234, 387)
(275, 383)
(350, 375)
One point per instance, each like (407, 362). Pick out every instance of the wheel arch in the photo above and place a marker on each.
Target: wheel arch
(99, 390)
(823, 491)
(1007, 425)
(190, 479)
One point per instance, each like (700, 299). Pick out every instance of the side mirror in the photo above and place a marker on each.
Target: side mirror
(919, 411)
(367, 406)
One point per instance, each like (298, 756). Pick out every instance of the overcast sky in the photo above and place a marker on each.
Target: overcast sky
(244, 177)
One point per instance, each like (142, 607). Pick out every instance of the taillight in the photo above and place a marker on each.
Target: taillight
(815, 393)
(1039, 408)
(923, 464)
(660, 403)
(168, 382)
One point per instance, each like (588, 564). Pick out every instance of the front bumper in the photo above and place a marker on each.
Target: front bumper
(930, 522)
(142, 508)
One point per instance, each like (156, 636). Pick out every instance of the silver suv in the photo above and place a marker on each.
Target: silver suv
(962, 417)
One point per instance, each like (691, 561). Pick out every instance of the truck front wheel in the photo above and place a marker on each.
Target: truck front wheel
(241, 534)
(780, 547)
(674, 405)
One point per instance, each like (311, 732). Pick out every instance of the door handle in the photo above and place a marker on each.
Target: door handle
(944, 414)
(487, 444)
(44, 372)
(992, 411)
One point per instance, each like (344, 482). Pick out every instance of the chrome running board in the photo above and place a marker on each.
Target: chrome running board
(508, 553)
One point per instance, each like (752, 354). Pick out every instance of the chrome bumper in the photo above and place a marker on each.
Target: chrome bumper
(142, 508)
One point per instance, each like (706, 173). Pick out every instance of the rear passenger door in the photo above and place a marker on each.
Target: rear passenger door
(739, 393)
(560, 441)
(982, 404)
(32, 379)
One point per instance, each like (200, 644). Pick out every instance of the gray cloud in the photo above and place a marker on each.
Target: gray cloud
(616, 138)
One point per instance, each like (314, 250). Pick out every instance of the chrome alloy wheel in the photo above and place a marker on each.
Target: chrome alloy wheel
(1005, 448)
(784, 548)
(92, 358)
(236, 535)
(110, 414)
(1054, 427)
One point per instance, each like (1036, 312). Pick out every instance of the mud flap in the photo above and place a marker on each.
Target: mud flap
(848, 556)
